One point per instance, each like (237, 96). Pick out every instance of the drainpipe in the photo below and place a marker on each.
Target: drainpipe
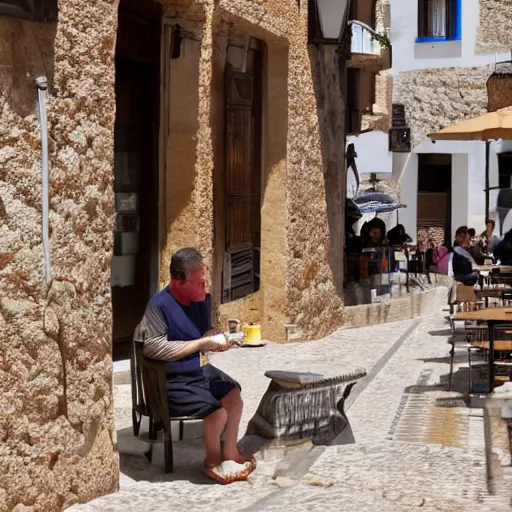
(42, 86)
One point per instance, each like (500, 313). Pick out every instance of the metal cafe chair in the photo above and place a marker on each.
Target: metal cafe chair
(461, 339)
(478, 341)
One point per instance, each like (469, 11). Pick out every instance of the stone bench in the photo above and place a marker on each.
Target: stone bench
(300, 407)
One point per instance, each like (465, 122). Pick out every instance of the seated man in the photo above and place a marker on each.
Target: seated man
(174, 329)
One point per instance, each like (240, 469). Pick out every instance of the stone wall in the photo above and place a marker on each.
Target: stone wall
(436, 98)
(302, 236)
(56, 421)
(494, 34)
(56, 411)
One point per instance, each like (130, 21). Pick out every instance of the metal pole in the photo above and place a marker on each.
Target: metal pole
(42, 85)
(487, 179)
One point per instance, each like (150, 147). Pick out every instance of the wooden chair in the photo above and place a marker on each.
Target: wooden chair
(151, 400)
(139, 407)
(460, 298)
(149, 395)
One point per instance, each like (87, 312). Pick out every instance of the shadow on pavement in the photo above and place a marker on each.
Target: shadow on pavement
(442, 332)
(188, 458)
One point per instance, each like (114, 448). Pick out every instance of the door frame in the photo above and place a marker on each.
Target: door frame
(166, 39)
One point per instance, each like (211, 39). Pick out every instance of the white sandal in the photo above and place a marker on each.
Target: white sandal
(229, 471)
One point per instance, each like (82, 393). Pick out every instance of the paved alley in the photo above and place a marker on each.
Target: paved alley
(417, 446)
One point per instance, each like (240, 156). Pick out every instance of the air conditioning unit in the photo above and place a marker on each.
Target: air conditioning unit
(31, 10)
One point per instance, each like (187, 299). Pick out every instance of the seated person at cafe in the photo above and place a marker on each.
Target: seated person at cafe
(442, 258)
(397, 236)
(463, 267)
(373, 233)
(174, 329)
(503, 251)
(489, 239)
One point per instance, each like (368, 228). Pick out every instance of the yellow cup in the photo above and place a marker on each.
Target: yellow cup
(252, 334)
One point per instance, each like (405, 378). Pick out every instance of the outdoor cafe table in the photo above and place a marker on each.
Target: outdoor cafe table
(492, 291)
(506, 269)
(492, 316)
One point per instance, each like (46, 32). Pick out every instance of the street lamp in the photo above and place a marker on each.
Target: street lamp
(327, 20)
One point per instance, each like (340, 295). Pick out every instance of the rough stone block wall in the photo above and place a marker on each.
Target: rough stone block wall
(494, 34)
(56, 411)
(435, 98)
(303, 256)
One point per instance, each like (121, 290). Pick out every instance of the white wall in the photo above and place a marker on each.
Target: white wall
(409, 55)
(373, 156)
(373, 153)
(468, 195)
(460, 197)
(409, 196)
(468, 182)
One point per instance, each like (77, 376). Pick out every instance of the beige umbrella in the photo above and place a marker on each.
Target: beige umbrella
(487, 127)
(490, 126)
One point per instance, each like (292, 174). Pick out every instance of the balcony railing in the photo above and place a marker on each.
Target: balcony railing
(363, 42)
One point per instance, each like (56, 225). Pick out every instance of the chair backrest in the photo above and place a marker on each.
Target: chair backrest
(155, 391)
(465, 293)
(138, 394)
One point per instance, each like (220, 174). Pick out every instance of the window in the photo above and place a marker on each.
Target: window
(439, 20)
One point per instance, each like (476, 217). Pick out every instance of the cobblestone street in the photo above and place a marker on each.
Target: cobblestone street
(417, 446)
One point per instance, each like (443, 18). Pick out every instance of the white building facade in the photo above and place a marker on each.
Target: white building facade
(440, 72)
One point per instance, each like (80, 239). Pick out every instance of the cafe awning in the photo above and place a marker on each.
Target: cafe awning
(490, 126)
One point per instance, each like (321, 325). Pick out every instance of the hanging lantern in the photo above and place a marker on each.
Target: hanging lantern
(327, 20)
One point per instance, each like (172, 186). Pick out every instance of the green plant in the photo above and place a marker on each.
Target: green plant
(383, 40)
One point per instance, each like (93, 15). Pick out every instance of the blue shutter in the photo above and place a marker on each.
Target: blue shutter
(453, 20)
(457, 22)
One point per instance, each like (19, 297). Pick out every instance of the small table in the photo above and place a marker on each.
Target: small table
(492, 316)
(506, 269)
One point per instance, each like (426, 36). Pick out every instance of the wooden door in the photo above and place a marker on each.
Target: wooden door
(243, 184)
(239, 150)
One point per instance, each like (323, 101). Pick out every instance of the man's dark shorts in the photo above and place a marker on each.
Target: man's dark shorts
(198, 393)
